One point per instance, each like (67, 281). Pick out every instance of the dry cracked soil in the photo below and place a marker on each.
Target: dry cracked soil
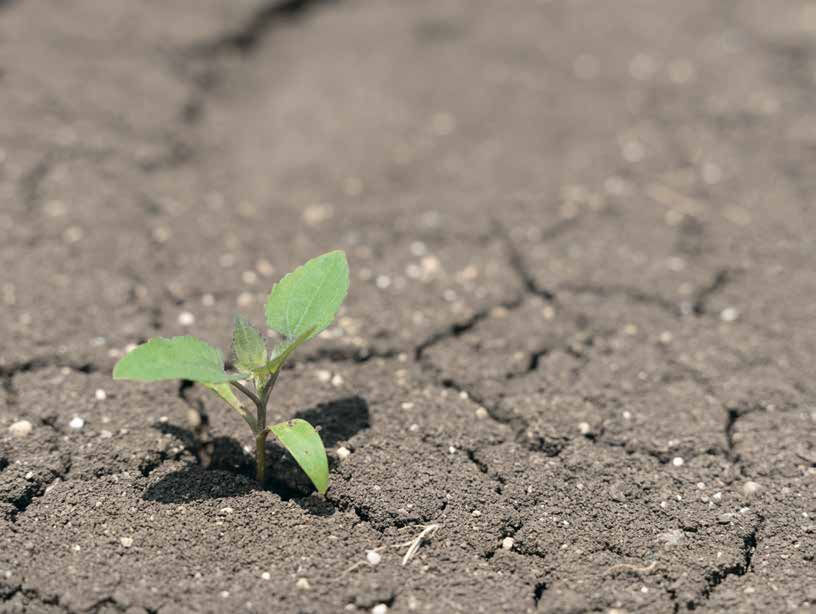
(579, 338)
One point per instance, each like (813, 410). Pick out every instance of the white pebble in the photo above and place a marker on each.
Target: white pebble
(186, 318)
(476, 513)
(749, 488)
(407, 405)
(583, 428)
(224, 511)
(76, 423)
(380, 608)
(481, 413)
(373, 557)
(383, 281)
(323, 375)
(21, 428)
(303, 584)
(678, 461)
(266, 576)
(729, 314)
(224, 594)
(337, 380)
(127, 542)
(100, 394)
(507, 543)
(343, 453)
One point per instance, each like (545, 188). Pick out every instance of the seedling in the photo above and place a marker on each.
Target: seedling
(299, 306)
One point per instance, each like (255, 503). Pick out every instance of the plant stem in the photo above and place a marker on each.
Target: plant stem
(250, 395)
(260, 457)
(262, 432)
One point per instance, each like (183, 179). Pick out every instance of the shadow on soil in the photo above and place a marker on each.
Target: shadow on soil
(226, 470)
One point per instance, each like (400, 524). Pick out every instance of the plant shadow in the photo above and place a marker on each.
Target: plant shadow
(225, 469)
(338, 420)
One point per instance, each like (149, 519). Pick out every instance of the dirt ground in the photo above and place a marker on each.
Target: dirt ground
(579, 338)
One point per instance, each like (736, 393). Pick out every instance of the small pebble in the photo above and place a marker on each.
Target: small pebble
(224, 594)
(343, 452)
(186, 318)
(481, 413)
(303, 584)
(324, 376)
(729, 314)
(337, 380)
(583, 428)
(224, 511)
(373, 557)
(507, 543)
(750, 488)
(76, 547)
(127, 542)
(266, 576)
(380, 608)
(21, 428)
(100, 394)
(475, 513)
(407, 405)
(678, 461)
(76, 423)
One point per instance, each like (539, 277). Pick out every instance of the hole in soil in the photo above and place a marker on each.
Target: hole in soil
(194, 483)
(337, 421)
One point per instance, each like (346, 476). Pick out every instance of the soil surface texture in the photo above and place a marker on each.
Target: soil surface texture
(575, 367)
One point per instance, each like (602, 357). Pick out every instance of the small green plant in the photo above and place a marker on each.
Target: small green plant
(299, 306)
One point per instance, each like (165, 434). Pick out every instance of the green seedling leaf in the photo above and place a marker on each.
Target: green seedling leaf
(308, 297)
(284, 350)
(248, 345)
(175, 358)
(225, 392)
(305, 445)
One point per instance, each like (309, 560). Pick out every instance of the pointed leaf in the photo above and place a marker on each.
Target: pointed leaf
(308, 297)
(248, 345)
(175, 358)
(305, 445)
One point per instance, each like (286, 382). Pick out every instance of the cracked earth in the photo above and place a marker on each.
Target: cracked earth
(579, 337)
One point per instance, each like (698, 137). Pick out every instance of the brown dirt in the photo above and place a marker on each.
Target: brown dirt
(579, 337)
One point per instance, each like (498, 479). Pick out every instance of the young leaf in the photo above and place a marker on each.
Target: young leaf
(175, 358)
(248, 345)
(284, 350)
(305, 445)
(308, 297)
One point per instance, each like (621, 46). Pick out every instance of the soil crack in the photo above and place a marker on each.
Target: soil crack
(716, 577)
(246, 38)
